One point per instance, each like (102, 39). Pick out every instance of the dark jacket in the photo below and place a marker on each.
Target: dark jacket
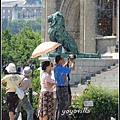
(19, 69)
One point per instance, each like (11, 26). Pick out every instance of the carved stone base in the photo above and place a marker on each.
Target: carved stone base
(79, 55)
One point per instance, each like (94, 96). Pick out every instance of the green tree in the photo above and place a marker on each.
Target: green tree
(4, 23)
(16, 26)
(19, 47)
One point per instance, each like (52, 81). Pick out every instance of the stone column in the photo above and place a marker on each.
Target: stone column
(88, 26)
(81, 26)
(90, 9)
(117, 21)
(48, 8)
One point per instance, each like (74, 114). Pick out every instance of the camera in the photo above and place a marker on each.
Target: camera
(71, 57)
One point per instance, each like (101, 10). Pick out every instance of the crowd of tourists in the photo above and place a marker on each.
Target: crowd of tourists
(55, 94)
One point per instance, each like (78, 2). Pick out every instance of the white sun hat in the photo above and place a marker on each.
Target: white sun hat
(27, 71)
(11, 68)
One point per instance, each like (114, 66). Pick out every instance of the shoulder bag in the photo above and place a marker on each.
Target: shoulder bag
(19, 92)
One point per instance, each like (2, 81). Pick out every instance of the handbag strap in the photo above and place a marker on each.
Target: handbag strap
(13, 82)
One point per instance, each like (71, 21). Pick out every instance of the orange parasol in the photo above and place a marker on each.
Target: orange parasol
(44, 48)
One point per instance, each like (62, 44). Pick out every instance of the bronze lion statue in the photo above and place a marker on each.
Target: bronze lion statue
(57, 33)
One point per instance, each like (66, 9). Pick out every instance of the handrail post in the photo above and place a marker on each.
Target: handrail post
(80, 75)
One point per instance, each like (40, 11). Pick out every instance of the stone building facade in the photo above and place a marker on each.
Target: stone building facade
(14, 10)
(88, 21)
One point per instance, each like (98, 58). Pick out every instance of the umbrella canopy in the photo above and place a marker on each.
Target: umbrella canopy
(44, 48)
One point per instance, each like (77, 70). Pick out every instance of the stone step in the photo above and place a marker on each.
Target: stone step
(105, 78)
(116, 65)
(109, 79)
(107, 73)
(104, 83)
(110, 73)
(112, 69)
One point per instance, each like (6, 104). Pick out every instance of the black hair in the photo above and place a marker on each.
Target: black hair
(29, 61)
(44, 64)
(58, 58)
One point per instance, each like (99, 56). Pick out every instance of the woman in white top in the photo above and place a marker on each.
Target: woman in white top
(12, 99)
(45, 104)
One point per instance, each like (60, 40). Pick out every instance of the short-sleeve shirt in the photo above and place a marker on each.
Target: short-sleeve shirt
(45, 77)
(17, 78)
(60, 75)
(27, 85)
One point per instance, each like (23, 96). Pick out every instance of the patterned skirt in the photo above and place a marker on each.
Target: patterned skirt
(12, 101)
(45, 104)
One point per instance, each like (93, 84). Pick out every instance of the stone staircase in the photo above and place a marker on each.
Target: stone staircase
(108, 78)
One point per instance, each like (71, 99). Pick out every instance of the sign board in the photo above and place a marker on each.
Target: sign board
(88, 103)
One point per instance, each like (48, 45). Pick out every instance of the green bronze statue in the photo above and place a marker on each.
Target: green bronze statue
(58, 33)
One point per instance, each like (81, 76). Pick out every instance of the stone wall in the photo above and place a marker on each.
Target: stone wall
(91, 65)
(48, 8)
(104, 43)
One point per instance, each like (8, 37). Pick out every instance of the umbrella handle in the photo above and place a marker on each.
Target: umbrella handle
(48, 57)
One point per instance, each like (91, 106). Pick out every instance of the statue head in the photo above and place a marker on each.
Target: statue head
(54, 18)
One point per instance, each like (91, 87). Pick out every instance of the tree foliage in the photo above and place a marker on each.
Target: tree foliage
(19, 47)
(16, 26)
(4, 23)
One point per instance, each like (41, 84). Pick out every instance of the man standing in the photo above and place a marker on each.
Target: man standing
(20, 68)
(4, 67)
(62, 95)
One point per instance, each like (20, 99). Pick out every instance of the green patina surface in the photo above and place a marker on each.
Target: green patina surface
(58, 33)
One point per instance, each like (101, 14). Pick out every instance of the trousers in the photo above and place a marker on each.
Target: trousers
(27, 106)
(62, 103)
